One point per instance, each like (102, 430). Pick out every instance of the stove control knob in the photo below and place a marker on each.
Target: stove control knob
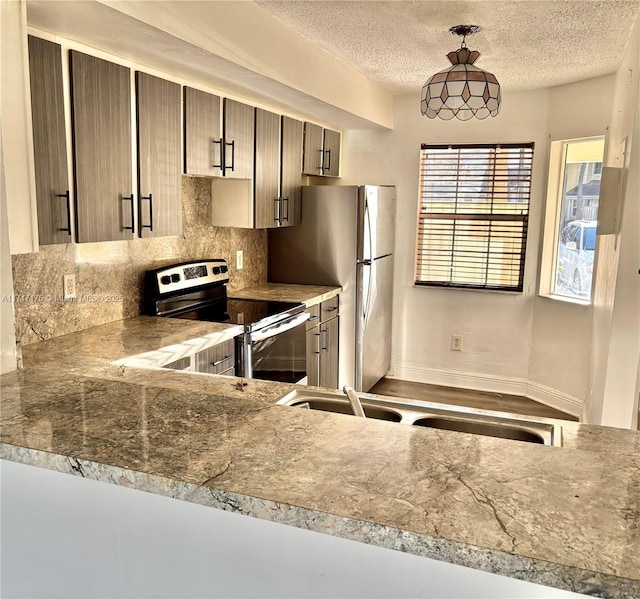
(215, 270)
(223, 268)
(165, 280)
(175, 277)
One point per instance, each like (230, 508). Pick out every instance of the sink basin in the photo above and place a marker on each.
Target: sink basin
(503, 429)
(343, 407)
(413, 412)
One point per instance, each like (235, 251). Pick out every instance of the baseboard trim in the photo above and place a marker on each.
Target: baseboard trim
(556, 399)
(490, 383)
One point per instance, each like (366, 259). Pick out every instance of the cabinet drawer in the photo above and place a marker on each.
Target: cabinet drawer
(217, 359)
(315, 316)
(329, 308)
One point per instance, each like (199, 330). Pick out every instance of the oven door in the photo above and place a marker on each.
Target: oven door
(278, 352)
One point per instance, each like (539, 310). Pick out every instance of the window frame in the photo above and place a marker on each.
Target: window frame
(489, 216)
(552, 229)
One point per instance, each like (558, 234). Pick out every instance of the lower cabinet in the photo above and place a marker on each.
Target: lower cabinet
(219, 359)
(329, 337)
(323, 345)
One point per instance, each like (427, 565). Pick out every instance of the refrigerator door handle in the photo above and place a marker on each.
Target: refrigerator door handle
(368, 233)
(366, 295)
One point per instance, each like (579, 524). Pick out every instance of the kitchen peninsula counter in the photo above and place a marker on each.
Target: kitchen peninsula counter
(563, 517)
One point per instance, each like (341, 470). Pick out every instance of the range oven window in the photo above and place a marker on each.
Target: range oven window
(281, 357)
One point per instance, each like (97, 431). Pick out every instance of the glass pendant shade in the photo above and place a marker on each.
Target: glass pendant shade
(463, 90)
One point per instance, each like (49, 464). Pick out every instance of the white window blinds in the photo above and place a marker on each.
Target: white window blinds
(473, 214)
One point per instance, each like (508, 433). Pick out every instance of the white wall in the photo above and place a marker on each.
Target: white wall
(8, 360)
(612, 397)
(561, 333)
(236, 42)
(16, 128)
(496, 326)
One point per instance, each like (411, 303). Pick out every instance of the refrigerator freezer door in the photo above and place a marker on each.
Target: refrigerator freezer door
(373, 321)
(376, 221)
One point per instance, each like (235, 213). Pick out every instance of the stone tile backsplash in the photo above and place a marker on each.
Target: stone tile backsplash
(109, 275)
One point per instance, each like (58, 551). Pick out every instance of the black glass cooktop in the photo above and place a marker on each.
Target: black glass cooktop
(251, 313)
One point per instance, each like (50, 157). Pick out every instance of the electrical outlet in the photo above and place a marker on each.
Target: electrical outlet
(69, 287)
(239, 260)
(456, 342)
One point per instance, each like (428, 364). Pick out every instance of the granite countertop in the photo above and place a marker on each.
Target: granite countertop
(309, 295)
(565, 517)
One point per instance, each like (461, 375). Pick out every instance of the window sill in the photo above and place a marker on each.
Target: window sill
(466, 289)
(566, 300)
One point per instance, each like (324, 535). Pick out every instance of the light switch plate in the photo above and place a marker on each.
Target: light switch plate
(239, 260)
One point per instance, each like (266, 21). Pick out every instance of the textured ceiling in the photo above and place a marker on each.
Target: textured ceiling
(525, 43)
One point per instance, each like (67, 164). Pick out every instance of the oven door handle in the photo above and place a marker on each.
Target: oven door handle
(281, 327)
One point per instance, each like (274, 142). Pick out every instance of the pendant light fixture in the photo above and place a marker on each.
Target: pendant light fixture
(463, 90)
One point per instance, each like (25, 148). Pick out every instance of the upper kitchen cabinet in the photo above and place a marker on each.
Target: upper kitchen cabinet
(159, 161)
(268, 203)
(278, 162)
(313, 157)
(239, 139)
(291, 168)
(49, 142)
(101, 114)
(331, 153)
(203, 144)
(321, 151)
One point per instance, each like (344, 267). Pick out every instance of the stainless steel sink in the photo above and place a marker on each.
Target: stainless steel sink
(413, 412)
(343, 407)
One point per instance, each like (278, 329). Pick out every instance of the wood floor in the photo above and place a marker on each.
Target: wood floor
(465, 397)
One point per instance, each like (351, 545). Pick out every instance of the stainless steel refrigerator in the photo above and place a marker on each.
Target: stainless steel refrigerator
(346, 238)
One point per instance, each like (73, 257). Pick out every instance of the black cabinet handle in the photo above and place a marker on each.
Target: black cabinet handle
(276, 205)
(129, 199)
(218, 141)
(150, 225)
(231, 143)
(286, 204)
(326, 339)
(328, 168)
(317, 343)
(66, 196)
(332, 309)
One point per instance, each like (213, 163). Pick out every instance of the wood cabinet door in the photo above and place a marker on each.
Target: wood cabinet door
(329, 339)
(49, 142)
(217, 359)
(202, 136)
(239, 139)
(291, 170)
(331, 153)
(159, 160)
(101, 108)
(268, 205)
(313, 356)
(312, 161)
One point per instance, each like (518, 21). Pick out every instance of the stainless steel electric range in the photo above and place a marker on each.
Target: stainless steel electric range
(273, 345)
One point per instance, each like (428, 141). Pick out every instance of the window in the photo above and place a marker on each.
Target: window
(572, 216)
(473, 213)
